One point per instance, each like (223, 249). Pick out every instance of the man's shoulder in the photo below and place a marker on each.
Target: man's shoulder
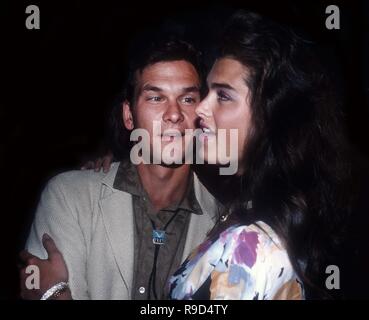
(83, 179)
(207, 201)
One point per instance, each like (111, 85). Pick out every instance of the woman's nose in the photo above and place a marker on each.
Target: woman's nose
(203, 109)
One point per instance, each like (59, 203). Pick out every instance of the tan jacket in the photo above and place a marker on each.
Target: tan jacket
(92, 225)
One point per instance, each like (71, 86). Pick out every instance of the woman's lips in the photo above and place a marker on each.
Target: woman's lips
(207, 131)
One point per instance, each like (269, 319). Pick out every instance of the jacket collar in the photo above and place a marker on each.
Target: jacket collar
(117, 212)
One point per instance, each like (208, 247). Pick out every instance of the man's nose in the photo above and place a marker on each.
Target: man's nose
(173, 113)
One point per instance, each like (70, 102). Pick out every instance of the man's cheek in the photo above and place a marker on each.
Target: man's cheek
(191, 120)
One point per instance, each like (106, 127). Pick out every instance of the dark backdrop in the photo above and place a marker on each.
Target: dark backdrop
(59, 82)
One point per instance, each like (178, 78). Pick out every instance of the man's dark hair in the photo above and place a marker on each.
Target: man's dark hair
(144, 54)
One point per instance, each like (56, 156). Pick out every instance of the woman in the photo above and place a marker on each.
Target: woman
(288, 199)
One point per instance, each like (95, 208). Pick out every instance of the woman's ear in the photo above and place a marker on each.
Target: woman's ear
(127, 115)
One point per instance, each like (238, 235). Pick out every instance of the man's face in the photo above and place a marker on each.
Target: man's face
(168, 93)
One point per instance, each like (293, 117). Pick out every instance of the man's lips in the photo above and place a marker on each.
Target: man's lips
(171, 135)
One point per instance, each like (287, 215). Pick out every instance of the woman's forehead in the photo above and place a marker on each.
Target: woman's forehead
(228, 70)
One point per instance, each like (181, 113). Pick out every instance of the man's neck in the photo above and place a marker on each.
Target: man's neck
(165, 186)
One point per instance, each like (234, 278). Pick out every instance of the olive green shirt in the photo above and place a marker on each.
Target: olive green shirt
(170, 253)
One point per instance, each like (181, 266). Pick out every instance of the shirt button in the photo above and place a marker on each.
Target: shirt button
(141, 290)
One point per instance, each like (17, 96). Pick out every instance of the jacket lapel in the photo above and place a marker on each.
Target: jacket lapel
(117, 213)
(200, 225)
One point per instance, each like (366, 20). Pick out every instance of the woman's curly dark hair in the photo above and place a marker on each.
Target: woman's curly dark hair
(296, 171)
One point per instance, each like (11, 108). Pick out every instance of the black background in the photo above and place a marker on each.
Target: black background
(59, 82)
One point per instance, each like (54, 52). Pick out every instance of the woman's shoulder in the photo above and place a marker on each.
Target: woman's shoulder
(254, 255)
(258, 235)
(243, 262)
(258, 249)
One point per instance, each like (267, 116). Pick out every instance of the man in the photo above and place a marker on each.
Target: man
(109, 227)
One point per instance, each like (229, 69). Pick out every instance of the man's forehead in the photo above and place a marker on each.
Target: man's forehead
(181, 73)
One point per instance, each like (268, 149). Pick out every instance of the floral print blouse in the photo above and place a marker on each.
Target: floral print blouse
(244, 262)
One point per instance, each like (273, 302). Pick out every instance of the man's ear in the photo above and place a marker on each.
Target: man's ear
(127, 115)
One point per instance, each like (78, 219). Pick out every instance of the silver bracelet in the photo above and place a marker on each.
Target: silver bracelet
(54, 290)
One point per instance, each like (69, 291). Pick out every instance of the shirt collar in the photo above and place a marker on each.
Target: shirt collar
(128, 180)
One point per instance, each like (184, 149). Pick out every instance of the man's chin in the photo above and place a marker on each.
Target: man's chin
(169, 160)
(172, 166)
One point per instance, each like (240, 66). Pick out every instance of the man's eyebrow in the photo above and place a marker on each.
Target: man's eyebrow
(216, 85)
(191, 89)
(149, 87)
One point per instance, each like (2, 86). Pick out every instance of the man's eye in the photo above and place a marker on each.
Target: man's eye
(155, 99)
(223, 96)
(189, 100)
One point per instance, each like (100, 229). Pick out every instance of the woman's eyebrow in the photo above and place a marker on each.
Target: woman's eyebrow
(216, 85)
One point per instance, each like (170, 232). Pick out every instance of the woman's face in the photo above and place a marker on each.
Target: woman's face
(225, 107)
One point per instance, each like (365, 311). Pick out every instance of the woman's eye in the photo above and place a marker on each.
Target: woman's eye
(223, 96)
